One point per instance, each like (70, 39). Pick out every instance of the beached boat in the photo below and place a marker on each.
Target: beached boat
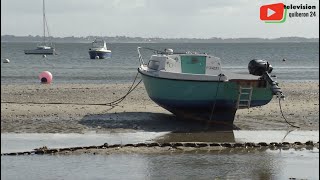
(194, 86)
(99, 50)
(44, 47)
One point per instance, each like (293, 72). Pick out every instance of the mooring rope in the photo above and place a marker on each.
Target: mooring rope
(215, 97)
(113, 103)
(284, 116)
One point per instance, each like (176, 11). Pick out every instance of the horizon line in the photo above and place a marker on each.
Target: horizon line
(164, 37)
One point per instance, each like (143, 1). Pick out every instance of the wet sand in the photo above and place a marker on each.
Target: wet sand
(137, 112)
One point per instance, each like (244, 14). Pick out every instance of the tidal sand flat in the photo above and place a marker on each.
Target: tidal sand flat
(62, 115)
(67, 108)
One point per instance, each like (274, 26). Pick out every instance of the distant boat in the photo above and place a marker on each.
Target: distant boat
(99, 50)
(193, 85)
(44, 47)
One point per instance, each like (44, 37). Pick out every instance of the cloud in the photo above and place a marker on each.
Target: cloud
(151, 18)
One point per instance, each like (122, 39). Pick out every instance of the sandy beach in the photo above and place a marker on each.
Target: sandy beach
(74, 131)
(20, 112)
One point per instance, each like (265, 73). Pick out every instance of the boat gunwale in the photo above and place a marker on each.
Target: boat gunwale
(227, 80)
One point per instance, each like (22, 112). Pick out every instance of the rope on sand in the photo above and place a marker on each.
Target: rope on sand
(283, 115)
(113, 103)
(309, 145)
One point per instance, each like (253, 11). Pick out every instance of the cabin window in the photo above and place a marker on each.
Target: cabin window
(193, 64)
(153, 64)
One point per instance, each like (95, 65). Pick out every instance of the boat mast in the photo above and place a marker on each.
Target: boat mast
(44, 21)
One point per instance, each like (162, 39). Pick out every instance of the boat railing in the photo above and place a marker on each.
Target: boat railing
(154, 50)
(140, 56)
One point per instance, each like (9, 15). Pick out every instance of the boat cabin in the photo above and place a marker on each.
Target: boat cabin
(201, 64)
(99, 44)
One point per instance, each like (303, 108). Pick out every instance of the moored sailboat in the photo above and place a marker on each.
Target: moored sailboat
(45, 47)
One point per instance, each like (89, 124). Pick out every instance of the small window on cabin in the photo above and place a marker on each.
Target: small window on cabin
(153, 65)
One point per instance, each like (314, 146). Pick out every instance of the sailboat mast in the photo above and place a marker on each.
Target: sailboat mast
(44, 21)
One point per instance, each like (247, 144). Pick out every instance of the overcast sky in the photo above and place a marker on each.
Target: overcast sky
(153, 18)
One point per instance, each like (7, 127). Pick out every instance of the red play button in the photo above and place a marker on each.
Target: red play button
(272, 12)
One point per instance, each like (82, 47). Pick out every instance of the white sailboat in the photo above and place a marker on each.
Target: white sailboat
(44, 47)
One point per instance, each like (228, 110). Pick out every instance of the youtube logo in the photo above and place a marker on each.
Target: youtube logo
(272, 12)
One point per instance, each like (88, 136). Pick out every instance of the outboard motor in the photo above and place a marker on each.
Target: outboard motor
(259, 67)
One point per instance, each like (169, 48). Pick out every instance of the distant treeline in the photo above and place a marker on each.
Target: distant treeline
(125, 39)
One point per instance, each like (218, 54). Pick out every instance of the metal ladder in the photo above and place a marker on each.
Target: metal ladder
(244, 98)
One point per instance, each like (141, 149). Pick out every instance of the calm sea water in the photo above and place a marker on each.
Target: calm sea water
(236, 165)
(72, 64)
(232, 164)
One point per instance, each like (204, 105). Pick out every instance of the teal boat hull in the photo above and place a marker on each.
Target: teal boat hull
(214, 101)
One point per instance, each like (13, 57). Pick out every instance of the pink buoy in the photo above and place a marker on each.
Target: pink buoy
(45, 77)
